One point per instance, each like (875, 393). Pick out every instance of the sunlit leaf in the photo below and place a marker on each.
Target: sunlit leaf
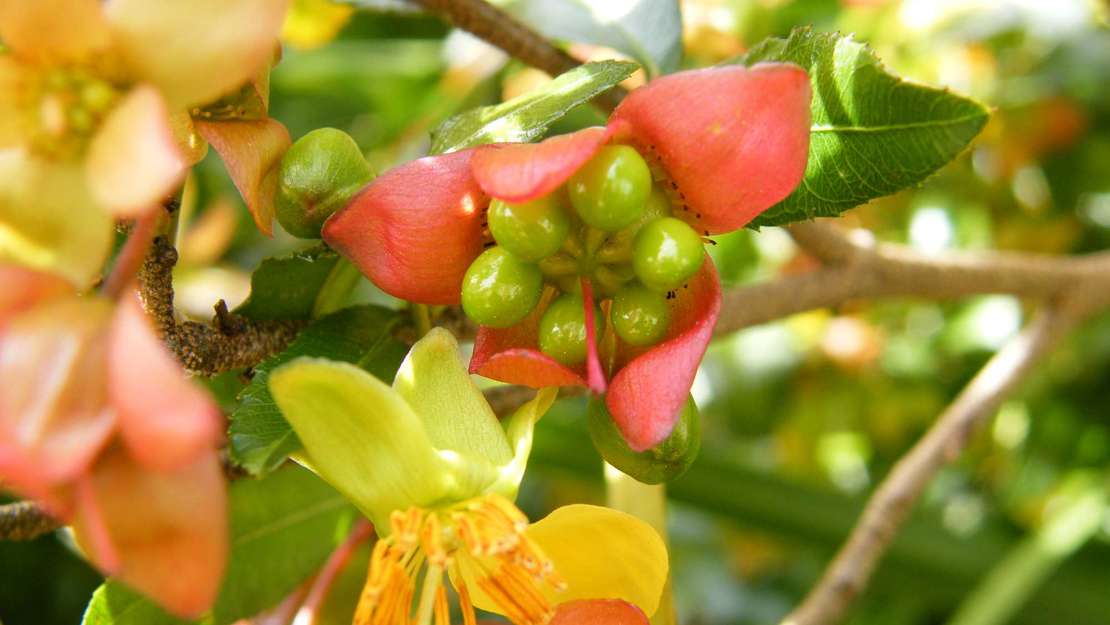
(526, 117)
(873, 132)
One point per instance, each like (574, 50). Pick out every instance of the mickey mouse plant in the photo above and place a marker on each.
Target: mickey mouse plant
(582, 257)
(429, 463)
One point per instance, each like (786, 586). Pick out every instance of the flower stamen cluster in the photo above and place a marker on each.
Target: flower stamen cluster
(482, 539)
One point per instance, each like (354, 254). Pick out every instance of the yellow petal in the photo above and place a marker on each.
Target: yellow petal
(603, 554)
(134, 160)
(196, 50)
(49, 221)
(312, 23)
(17, 82)
(53, 30)
(455, 413)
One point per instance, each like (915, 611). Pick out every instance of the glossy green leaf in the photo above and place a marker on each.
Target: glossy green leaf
(873, 132)
(649, 31)
(434, 382)
(361, 436)
(282, 529)
(526, 117)
(260, 438)
(286, 288)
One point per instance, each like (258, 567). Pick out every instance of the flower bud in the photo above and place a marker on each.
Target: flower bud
(662, 463)
(319, 174)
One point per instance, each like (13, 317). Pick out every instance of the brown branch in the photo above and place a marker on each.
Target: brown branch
(25, 520)
(857, 268)
(230, 342)
(502, 30)
(892, 502)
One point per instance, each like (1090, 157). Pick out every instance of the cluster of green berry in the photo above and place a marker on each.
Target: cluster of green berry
(609, 224)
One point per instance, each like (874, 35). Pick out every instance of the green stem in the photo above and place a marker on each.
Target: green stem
(336, 289)
(647, 502)
(422, 319)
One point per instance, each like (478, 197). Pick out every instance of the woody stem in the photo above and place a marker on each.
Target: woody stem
(647, 502)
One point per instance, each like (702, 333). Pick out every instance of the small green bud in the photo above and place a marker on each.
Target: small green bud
(319, 174)
(661, 463)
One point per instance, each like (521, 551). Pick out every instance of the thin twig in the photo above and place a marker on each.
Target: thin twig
(130, 258)
(502, 30)
(230, 342)
(321, 586)
(25, 520)
(895, 497)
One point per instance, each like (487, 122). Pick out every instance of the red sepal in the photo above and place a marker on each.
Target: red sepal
(251, 151)
(733, 140)
(646, 396)
(512, 354)
(519, 172)
(415, 229)
(166, 420)
(598, 612)
(594, 374)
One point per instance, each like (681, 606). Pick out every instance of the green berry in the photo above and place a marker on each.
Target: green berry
(640, 316)
(666, 253)
(618, 248)
(609, 191)
(319, 174)
(499, 289)
(661, 463)
(562, 329)
(532, 230)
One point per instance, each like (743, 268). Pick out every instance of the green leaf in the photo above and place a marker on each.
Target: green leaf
(260, 438)
(526, 117)
(649, 31)
(286, 288)
(873, 132)
(282, 529)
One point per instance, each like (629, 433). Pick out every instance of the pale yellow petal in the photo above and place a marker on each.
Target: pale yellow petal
(53, 30)
(603, 554)
(134, 161)
(49, 221)
(196, 50)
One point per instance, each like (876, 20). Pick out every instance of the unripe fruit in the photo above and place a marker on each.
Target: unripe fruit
(661, 463)
(609, 191)
(562, 331)
(618, 248)
(319, 174)
(499, 289)
(531, 230)
(666, 253)
(640, 316)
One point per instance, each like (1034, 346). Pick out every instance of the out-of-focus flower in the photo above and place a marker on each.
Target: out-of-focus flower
(99, 424)
(95, 103)
(429, 463)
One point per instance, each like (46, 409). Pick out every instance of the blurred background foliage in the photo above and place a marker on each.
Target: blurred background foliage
(802, 416)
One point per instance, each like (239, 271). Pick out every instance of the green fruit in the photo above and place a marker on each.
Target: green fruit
(319, 174)
(618, 248)
(661, 463)
(640, 316)
(666, 253)
(499, 289)
(609, 191)
(562, 329)
(532, 230)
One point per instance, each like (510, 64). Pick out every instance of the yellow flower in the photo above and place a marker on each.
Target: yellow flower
(94, 112)
(431, 466)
